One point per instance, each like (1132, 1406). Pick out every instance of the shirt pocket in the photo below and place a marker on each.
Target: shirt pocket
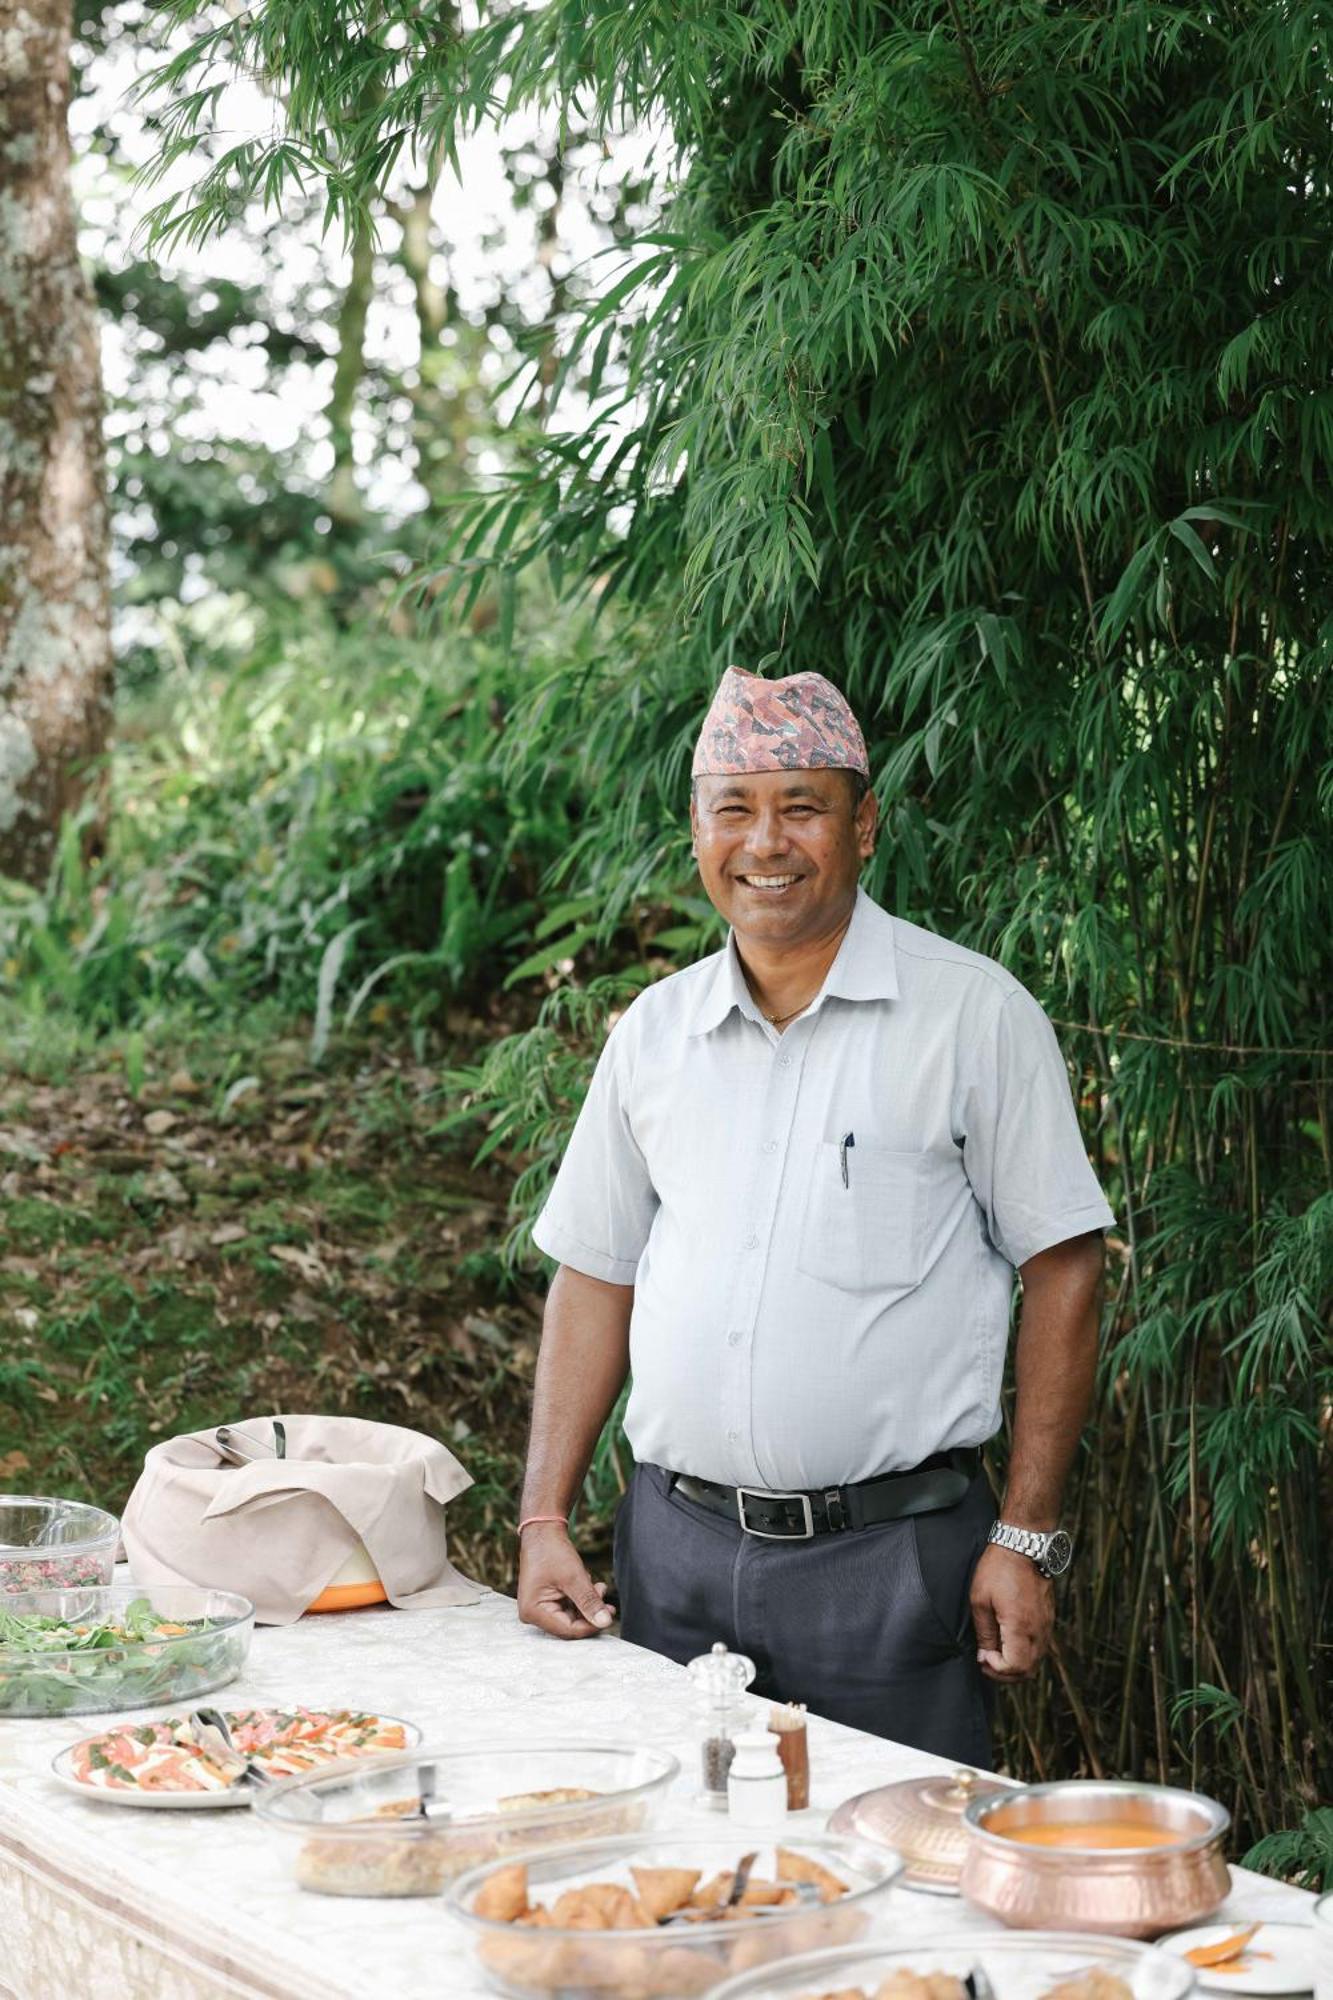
(869, 1235)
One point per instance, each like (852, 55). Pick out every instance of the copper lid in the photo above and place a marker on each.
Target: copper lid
(923, 1819)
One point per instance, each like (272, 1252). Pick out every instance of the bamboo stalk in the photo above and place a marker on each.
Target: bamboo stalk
(1087, 1734)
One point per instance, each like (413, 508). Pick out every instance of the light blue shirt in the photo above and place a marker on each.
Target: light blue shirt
(795, 1325)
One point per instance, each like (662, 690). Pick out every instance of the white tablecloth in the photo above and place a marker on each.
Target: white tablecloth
(99, 1902)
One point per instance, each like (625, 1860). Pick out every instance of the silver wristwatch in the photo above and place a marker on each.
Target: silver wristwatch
(1052, 1553)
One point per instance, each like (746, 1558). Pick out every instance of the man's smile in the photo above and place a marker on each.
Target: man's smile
(768, 884)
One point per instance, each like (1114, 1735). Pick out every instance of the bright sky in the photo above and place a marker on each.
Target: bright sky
(491, 244)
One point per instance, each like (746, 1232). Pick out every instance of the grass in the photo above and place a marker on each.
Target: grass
(168, 1263)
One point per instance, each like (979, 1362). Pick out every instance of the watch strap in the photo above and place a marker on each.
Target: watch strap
(1034, 1543)
(1023, 1541)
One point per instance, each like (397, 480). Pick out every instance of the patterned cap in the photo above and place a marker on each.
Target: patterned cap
(800, 723)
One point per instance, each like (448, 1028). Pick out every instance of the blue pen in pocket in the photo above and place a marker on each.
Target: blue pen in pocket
(848, 1139)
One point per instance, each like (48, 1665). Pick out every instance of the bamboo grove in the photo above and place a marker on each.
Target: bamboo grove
(978, 358)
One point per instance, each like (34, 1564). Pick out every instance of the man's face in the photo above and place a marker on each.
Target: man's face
(779, 851)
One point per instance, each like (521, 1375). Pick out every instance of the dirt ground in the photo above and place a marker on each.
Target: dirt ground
(178, 1251)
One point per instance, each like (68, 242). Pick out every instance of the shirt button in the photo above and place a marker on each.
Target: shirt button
(735, 1337)
(752, 1242)
(733, 1437)
(770, 1145)
(784, 1062)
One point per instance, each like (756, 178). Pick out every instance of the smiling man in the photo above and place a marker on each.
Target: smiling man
(794, 1202)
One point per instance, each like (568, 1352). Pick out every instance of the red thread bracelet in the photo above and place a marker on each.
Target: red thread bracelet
(532, 1520)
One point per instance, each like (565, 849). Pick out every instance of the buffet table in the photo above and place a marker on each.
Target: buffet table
(105, 1902)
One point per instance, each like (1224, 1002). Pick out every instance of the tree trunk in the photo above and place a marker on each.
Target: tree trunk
(435, 409)
(344, 498)
(55, 643)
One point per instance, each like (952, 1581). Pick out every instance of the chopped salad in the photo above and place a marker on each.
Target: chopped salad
(164, 1757)
(71, 1572)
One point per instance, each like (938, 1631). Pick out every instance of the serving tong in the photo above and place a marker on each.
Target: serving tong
(428, 1806)
(744, 1869)
(806, 1892)
(250, 1450)
(211, 1732)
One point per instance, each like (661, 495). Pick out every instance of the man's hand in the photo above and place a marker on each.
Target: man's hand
(1013, 1610)
(555, 1591)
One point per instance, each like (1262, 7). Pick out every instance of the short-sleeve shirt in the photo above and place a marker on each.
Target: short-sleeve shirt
(821, 1227)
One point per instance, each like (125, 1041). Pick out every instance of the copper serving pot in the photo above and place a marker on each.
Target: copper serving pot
(1125, 1891)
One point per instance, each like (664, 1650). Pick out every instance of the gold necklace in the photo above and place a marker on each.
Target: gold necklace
(776, 1020)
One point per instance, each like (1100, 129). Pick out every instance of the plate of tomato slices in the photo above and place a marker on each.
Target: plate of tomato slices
(160, 1764)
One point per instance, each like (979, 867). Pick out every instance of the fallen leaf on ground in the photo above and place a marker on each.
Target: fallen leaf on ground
(164, 1186)
(182, 1244)
(22, 1144)
(304, 1261)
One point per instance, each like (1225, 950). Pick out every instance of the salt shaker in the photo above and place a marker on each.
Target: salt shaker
(756, 1782)
(721, 1678)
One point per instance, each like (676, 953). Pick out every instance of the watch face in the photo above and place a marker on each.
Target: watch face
(1059, 1553)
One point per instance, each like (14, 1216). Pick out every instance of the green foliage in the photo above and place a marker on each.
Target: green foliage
(980, 361)
(1304, 1855)
(324, 821)
(526, 1090)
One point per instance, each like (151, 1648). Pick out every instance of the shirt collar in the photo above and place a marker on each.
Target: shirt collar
(865, 969)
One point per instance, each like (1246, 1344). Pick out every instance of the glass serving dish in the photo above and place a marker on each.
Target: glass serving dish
(1016, 1968)
(674, 1957)
(357, 1831)
(85, 1652)
(48, 1544)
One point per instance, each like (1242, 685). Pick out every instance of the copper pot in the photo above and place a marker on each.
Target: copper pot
(922, 1819)
(1125, 1891)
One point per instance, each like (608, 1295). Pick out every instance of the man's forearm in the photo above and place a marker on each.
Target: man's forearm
(1055, 1364)
(581, 1367)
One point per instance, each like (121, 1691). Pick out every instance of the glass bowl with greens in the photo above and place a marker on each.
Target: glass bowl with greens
(50, 1544)
(83, 1652)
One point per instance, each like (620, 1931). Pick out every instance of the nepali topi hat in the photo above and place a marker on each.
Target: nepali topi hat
(799, 723)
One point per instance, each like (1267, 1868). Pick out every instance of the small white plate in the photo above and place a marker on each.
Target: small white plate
(1287, 1967)
(235, 1795)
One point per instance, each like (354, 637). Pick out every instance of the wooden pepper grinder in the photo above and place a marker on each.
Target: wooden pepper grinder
(788, 1725)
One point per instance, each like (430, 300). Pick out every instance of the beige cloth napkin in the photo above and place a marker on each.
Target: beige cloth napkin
(280, 1530)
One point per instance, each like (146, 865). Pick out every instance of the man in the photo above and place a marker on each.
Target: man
(794, 1201)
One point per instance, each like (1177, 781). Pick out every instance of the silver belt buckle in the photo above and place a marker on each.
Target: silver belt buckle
(804, 1534)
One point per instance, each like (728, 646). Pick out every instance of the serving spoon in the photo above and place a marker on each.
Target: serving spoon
(1224, 1950)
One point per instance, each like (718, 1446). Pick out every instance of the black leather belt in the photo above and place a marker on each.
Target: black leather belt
(940, 1481)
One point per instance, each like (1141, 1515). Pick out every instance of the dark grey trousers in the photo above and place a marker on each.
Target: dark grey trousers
(870, 1628)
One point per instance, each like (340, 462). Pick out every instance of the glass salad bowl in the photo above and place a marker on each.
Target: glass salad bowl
(48, 1544)
(85, 1652)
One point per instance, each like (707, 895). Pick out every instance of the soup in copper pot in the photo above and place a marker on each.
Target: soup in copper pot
(1099, 1833)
